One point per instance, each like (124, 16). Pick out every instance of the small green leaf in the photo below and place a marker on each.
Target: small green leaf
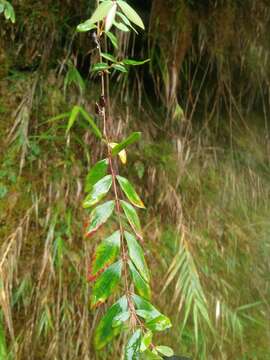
(106, 252)
(86, 26)
(99, 216)
(108, 57)
(97, 172)
(110, 17)
(133, 346)
(159, 323)
(146, 341)
(119, 67)
(137, 256)
(141, 285)
(9, 12)
(100, 189)
(134, 137)
(121, 318)
(130, 192)
(149, 309)
(106, 284)
(126, 21)
(102, 11)
(73, 116)
(132, 216)
(149, 355)
(130, 13)
(135, 62)
(105, 332)
(121, 26)
(113, 39)
(100, 67)
(165, 350)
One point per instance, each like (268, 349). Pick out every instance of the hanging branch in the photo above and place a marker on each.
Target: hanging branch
(120, 257)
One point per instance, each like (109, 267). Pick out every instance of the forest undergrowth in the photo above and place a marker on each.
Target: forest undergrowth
(207, 225)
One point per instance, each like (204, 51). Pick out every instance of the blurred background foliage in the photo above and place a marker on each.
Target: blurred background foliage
(203, 169)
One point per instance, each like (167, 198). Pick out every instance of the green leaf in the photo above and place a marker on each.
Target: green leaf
(130, 13)
(128, 141)
(110, 17)
(119, 67)
(135, 62)
(133, 346)
(100, 67)
(106, 252)
(141, 285)
(130, 192)
(108, 57)
(97, 172)
(146, 341)
(99, 216)
(137, 256)
(132, 216)
(149, 355)
(121, 318)
(145, 309)
(73, 116)
(98, 192)
(159, 323)
(106, 284)
(9, 12)
(86, 26)
(126, 21)
(113, 39)
(165, 350)
(105, 332)
(121, 26)
(102, 11)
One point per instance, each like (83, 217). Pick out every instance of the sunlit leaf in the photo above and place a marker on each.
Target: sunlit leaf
(122, 154)
(159, 323)
(110, 17)
(146, 340)
(106, 284)
(149, 355)
(130, 13)
(97, 172)
(99, 216)
(134, 137)
(142, 287)
(102, 11)
(133, 346)
(165, 350)
(132, 216)
(130, 192)
(99, 190)
(121, 26)
(121, 318)
(106, 252)
(86, 26)
(105, 331)
(137, 256)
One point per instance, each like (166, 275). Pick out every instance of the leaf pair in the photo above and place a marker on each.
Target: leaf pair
(106, 328)
(107, 10)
